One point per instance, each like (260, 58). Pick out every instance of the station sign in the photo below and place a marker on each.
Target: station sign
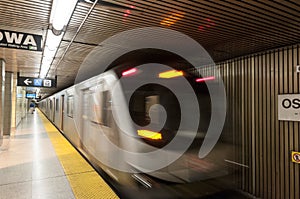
(296, 157)
(289, 107)
(36, 82)
(30, 95)
(19, 40)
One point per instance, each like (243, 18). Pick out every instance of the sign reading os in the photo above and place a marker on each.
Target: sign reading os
(18, 40)
(289, 107)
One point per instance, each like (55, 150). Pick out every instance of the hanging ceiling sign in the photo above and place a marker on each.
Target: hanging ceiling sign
(19, 40)
(289, 107)
(36, 82)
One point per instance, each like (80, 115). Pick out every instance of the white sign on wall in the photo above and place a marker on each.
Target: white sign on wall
(289, 107)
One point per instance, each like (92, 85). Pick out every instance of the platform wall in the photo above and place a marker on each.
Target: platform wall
(252, 86)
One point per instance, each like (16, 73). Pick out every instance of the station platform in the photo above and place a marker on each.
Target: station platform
(36, 161)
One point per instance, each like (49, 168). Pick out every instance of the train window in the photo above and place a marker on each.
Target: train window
(142, 101)
(70, 105)
(56, 104)
(149, 101)
(106, 108)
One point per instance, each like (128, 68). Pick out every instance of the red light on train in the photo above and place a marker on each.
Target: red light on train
(205, 79)
(129, 72)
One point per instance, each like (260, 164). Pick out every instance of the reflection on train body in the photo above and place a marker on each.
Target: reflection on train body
(85, 115)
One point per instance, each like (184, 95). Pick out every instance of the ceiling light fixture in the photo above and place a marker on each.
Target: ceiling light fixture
(50, 48)
(61, 13)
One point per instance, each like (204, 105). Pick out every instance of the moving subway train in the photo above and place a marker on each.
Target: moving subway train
(125, 130)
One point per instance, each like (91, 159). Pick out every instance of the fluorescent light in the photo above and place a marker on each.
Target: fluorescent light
(61, 13)
(46, 63)
(170, 74)
(53, 41)
(44, 71)
(51, 46)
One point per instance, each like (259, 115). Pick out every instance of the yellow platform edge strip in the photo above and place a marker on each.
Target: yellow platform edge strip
(84, 180)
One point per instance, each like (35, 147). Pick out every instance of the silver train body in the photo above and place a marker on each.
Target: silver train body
(97, 124)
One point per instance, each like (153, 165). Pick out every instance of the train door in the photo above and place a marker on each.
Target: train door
(46, 106)
(105, 116)
(62, 111)
(56, 112)
(85, 110)
(53, 110)
(149, 101)
(50, 108)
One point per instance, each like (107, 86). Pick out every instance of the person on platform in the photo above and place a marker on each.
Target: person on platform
(32, 107)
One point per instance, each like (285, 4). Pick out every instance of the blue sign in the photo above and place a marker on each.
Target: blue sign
(30, 95)
(37, 82)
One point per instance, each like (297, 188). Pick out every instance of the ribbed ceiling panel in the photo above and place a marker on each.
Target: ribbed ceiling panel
(24, 14)
(226, 29)
(28, 17)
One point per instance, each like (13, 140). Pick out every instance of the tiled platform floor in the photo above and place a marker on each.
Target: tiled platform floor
(30, 166)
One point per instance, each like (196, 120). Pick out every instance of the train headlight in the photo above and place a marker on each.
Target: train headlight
(150, 134)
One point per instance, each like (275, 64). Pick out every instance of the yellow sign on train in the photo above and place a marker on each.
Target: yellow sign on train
(296, 157)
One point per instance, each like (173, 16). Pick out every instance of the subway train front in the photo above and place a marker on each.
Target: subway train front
(128, 133)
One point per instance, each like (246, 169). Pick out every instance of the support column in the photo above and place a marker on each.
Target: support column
(14, 103)
(2, 87)
(21, 105)
(7, 103)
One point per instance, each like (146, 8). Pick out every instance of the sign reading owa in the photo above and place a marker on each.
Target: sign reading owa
(18, 40)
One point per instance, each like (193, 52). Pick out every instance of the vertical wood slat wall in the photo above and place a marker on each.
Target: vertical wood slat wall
(252, 85)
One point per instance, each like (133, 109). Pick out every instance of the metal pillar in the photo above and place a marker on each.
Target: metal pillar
(8, 103)
(2, 89)
(14, 102)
